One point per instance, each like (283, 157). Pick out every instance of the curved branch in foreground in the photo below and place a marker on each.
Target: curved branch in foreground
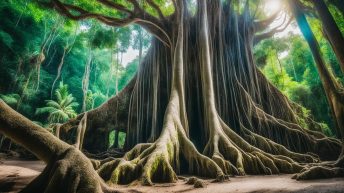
(68, 170)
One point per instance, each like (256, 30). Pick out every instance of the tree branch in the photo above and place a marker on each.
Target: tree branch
(263, 24)
(117, 6)
(65, 9)
(156, 7)
(138, 15)
(258, 38)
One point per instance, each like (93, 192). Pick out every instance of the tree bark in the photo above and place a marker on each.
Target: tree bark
(115, 143)
(332, 90)
(330, 85)
(333, 33)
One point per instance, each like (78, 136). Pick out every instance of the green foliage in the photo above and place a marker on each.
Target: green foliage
(11, 99)
(121, 139)
(62, 109)
(6, 39)
(266, 47)
(25, 28)
(296, 75)
(105, 38)
(142, 36)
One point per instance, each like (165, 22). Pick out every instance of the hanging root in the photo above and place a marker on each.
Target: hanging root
(57, 128)
(81, 132)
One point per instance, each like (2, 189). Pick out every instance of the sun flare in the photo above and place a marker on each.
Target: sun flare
(271, 6)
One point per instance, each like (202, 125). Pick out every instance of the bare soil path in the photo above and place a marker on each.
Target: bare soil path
(15, 174)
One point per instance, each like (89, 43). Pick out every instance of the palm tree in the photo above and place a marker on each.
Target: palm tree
(62, 109)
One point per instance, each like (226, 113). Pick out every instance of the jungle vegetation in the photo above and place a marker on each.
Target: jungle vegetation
(214, 91)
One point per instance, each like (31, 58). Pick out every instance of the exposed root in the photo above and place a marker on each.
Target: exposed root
(288, 134)
(319, 172)
(307, 141)
(276, 149)
(159, 162)
(198, 183)
(237, 157)
(322, 170)
(340, 161)
(110, 153)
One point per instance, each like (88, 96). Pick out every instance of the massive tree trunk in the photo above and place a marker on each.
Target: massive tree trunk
(199, 105)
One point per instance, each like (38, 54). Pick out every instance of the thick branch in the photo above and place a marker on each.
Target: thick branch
(65, 9)
(156, 7)
(263, 24)
(138, 15)
(258, 38)
(33, 137)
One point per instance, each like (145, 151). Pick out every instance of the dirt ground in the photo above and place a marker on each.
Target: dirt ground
(15, 174)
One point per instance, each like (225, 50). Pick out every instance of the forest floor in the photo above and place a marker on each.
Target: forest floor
(15, 174)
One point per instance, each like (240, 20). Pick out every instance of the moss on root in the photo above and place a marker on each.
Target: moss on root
(319, 172)
(159, 161)
(198, 183)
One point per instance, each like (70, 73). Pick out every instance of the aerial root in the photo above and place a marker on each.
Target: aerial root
(81, 132)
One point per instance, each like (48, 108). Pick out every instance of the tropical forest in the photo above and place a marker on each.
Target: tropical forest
(194, 96)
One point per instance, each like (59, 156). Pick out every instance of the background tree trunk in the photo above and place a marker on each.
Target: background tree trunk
(333, 34)
(331, 87)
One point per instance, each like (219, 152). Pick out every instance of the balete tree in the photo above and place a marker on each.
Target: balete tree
(197, 105)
